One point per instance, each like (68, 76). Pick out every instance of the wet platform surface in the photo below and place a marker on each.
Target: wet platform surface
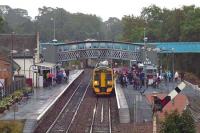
(139, 108)
(40, 101)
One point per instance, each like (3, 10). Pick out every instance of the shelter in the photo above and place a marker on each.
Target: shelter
(42, 69)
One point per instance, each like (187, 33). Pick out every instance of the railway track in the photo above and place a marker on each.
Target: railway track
(101, 118)
(65, 118)
(81, 85)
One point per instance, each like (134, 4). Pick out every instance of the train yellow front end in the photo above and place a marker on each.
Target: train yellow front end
(103, 81)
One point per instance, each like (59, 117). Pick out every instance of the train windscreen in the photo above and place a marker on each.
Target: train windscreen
(109, 75)
(97, 75)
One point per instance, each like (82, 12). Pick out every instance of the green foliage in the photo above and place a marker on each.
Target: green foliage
(182, 24)
(133, 28)
(176, 123)
(163, 25)
(113, 29)
(1, 23)
(74, 27)
(11, 126)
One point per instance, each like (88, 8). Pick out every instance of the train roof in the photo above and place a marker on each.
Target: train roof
(102, 67)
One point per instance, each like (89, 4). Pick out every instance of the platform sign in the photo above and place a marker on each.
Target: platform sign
(35, 69)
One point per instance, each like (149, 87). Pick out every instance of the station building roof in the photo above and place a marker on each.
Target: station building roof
(179, 103)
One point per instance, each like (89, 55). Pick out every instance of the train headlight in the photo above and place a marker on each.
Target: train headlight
(109, 90)
(96, 89)
(109, 82)
(96, 83)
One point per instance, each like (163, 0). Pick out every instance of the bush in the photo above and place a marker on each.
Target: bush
(11, 126)
(176, 123)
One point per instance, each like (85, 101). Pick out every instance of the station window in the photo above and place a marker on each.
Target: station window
(88, 45)
(132, 47)
(117, 46)
(109, 45)
(73, 47)
(95, 45)
(80, 46)
(66, 48)
(102, 45)
(124, 47)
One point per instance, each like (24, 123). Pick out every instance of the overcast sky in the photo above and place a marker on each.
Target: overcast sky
(102, 8)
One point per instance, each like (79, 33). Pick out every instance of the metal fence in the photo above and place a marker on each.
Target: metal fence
(193, 94)
(15, 85)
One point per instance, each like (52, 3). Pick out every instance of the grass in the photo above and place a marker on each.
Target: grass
(11, 126)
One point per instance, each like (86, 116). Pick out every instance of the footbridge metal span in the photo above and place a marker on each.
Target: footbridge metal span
(61, 52)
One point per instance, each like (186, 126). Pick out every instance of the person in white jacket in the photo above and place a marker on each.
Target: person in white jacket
(176, 76)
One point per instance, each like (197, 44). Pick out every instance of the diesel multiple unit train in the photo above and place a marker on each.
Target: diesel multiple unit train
(103, 80)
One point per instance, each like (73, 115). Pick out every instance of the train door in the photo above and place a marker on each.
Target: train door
(103, 79)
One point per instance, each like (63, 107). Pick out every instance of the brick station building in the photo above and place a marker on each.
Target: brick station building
(179, 103)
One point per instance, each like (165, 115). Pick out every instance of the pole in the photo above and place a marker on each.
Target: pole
(24, 59)
(154, 123)
(14, 110)
(12, 38)
(154, 116)
(54, 33)
(173, 63)
(144, 34)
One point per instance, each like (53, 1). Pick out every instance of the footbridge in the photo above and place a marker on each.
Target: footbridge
(61, 52)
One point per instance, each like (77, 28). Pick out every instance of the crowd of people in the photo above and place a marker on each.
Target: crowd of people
(134, 76)
(138, 77)
(60, 77)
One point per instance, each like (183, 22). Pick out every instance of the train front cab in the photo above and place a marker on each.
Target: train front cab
(103, 82)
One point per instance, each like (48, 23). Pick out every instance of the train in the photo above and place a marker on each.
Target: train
(103, 80)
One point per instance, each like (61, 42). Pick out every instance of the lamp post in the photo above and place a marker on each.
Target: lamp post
(25, 51)
(173, 62)
(54, 30)
(144, 35)
(12, 55)
(145, 40)
(11, 52)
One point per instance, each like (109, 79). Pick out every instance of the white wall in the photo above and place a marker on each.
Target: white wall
(28, 63)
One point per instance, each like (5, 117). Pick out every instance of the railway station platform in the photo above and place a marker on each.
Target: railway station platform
(139, 108)
(35, 108)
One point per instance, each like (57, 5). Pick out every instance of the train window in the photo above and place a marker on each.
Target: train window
(109, 76)
(96, 76)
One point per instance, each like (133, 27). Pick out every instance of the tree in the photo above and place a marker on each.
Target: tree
(178, 123)
(68, 26)
(4, 28)
(113, 30)
(1, 23)
(133, 28)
